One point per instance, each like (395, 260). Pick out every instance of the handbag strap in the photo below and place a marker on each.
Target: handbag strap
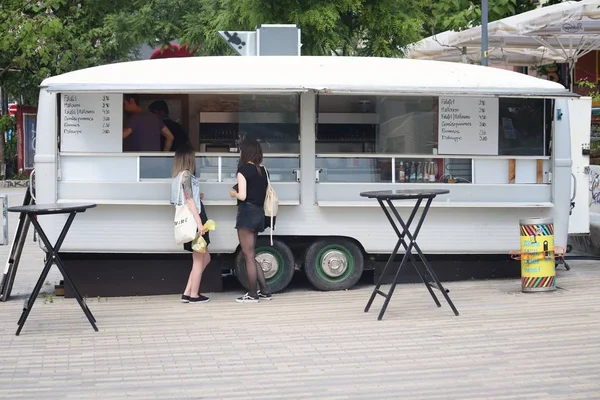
(267, 173)
(180, 186)
(269, 185)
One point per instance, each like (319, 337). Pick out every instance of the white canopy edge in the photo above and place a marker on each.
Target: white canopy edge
(293, 74)
(161, 89)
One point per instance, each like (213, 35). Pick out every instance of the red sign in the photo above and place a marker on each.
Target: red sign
(12, 109)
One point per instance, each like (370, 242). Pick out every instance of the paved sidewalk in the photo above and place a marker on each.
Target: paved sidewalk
(309, 345)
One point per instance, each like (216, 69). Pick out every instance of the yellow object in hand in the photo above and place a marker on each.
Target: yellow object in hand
(210, 225)
(199, 244)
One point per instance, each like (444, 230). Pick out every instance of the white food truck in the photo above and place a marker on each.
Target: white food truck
(505, 144)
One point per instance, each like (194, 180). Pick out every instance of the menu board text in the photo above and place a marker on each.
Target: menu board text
(91, 122)
(468, 125)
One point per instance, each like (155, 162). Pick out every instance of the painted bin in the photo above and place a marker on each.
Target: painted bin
(537, 255)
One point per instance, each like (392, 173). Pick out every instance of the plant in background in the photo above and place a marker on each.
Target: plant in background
(588, 88)
(591, 89)
(8, 139)
(7, 123)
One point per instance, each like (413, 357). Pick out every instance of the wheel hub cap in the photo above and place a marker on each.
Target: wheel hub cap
(334, 263)
(268, 263)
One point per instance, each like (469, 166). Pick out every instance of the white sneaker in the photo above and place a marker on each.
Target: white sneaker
(264, 296)
(247, 299)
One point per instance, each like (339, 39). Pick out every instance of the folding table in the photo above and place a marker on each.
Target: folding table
(387, 197)
(52, 257)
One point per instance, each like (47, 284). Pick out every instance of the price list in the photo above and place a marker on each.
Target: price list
(468, 125)
(106, 114)
(91, 122)
(483, 112)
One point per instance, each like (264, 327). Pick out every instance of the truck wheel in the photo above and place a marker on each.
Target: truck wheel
(277, 263)
(333, 264)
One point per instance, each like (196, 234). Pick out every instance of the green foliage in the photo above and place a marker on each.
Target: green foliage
(461, 14)
(344, 27)
(7, 123)
(49, 37)
(588, 88)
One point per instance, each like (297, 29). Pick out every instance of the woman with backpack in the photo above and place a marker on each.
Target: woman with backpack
(250, 192)
(184, 180)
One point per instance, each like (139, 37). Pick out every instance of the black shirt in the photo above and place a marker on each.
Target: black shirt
(179, 134)
(256, 185)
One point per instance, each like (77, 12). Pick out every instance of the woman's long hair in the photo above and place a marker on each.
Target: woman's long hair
(251, 152)
(185, 159)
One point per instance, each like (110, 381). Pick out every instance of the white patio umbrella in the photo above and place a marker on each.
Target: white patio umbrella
(437, 47)
(532, 29)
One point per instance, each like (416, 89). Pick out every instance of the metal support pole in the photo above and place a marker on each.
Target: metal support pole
(4, 201)
(484, 32)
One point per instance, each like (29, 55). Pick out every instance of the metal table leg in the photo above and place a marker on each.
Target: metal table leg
(402, 234)
(53, 258)
(413, 240)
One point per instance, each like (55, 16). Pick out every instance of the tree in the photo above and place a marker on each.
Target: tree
(50, 37)
(44, 38)
(461, 14)
(343, 27)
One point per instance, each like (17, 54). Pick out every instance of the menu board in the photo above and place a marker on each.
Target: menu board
(468, 125)
(91, 122)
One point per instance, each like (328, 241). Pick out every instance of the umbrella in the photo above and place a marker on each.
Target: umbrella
(529, 30)
(172, 50)
(437, 47)
(575, 29)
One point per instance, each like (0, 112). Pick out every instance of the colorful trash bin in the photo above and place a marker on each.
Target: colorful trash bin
(537, 255)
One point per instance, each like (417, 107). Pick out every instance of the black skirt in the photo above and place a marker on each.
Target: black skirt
(203, 217)
(251, 217)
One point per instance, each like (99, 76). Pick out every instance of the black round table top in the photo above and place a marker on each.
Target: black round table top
(44, 209)
(404, 194)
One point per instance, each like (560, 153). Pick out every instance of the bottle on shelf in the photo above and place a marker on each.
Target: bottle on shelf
(401, 172)
(426, 171)
(419, 172)
(432, 171)
(413, 172)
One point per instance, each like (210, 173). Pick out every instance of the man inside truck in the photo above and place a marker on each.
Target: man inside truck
(161, 109)
(143, 128)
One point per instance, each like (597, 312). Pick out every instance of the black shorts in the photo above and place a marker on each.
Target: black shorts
(203, 217)
(251, 217)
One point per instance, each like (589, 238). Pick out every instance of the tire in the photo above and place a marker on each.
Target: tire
(338, 276)
(277, 262)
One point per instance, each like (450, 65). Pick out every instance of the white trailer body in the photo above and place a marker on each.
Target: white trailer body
(479, 217)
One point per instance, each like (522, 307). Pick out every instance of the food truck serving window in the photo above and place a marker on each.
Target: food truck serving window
(431, 125)
(223, 121)
(113, 123)
(426, 138)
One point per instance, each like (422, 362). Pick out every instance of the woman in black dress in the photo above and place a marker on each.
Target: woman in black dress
(250, 192)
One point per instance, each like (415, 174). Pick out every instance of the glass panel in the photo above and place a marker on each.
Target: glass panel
(156, 167)
(281, 169)
(409, 125)
(229, 166)
(160, 168)
(370, 170)
(207, 169)
(521, 127)
(225, 120)
(376, 124)
(432, 170)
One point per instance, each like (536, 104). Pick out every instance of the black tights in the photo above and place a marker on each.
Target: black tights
(254, 272)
